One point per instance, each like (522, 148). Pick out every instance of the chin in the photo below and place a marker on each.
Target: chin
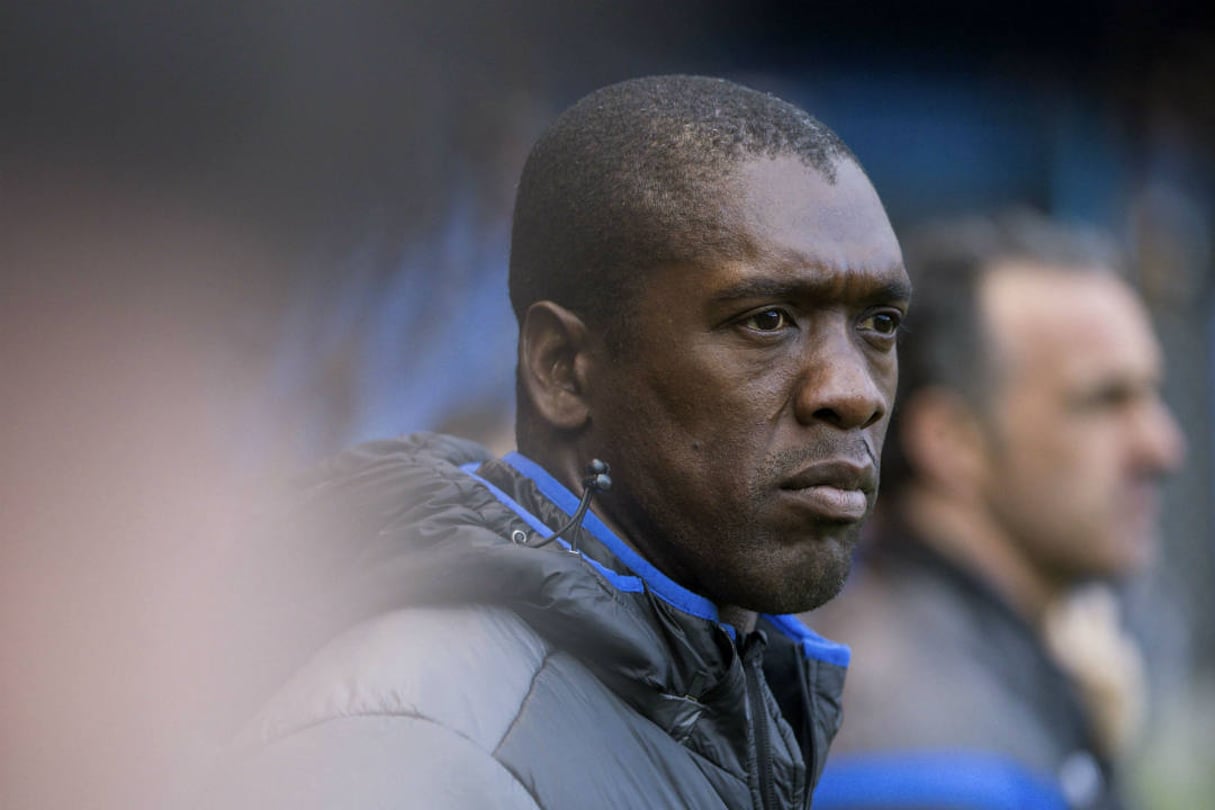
(815, 584)
(1134, 555)
(823, 592)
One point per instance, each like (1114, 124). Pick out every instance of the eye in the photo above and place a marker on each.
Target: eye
(768, 320)
(1111, 395)
(885, 323)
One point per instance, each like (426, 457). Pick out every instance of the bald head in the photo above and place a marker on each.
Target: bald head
(632, 178)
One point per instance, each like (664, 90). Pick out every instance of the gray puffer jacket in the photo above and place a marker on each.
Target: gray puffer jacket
(479, 672)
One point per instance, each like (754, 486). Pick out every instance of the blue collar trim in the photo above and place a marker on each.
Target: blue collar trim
(813, 645)
(662, 586)
(620, 581)
(934, 778)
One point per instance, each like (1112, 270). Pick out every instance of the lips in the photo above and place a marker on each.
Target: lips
(841, 474)
(836, 490)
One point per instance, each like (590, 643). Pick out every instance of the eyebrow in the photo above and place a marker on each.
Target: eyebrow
(778, 288)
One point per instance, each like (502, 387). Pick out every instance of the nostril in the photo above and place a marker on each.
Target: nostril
(857, 414)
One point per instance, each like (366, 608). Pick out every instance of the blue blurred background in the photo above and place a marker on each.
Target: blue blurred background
(238, 236)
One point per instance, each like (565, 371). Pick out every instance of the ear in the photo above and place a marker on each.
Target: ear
(944, 441)
(553, 364)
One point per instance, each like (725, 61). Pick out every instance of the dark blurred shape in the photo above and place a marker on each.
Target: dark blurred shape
(318, 114)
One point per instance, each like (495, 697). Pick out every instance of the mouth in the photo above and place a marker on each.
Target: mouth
(836, 491)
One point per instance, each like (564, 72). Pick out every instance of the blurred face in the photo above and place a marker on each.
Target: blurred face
(1082, 437)
(745, 420)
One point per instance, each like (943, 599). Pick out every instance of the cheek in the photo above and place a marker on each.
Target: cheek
(1091, 452)
(885, 371)
(1071, 472)
(728, 405)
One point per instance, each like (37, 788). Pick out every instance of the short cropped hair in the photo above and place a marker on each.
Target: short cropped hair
(946, 342)
(629, 179)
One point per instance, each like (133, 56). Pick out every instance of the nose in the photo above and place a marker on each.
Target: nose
(839, 385)
(1160, 442)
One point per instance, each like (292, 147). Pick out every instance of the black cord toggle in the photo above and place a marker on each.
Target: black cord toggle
(596, 480)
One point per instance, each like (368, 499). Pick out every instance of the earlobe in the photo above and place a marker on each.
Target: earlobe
(553, 364)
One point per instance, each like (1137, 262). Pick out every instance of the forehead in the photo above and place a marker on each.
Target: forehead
(1068, 326)
(793, 230)
(784, 206)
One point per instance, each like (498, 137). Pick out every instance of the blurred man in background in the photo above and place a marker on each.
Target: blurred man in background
(1023, 473)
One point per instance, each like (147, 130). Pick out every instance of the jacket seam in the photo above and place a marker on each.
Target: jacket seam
(320, 721)
(531, 690)
(425, 719)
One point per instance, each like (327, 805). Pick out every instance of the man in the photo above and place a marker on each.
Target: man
(708, 293)
(1023, 464)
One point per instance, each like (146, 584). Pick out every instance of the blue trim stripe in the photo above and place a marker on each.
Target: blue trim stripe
(813, 645)
(620, 581)
(659, 583)
(946, 780)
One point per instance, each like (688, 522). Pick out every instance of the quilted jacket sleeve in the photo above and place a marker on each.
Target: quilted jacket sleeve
(368, 763)
(399, 712)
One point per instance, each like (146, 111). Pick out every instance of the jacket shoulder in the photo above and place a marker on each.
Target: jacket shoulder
(368, 762)
(468, 669)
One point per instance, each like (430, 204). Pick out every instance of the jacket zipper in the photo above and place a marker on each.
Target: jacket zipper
(759, 719)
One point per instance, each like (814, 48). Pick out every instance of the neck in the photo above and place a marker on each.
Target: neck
(562, 463)
(969, 537)
(568, 467)
(740, 619)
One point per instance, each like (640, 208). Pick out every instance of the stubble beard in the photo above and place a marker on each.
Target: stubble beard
(732, 558)
(766, 571)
